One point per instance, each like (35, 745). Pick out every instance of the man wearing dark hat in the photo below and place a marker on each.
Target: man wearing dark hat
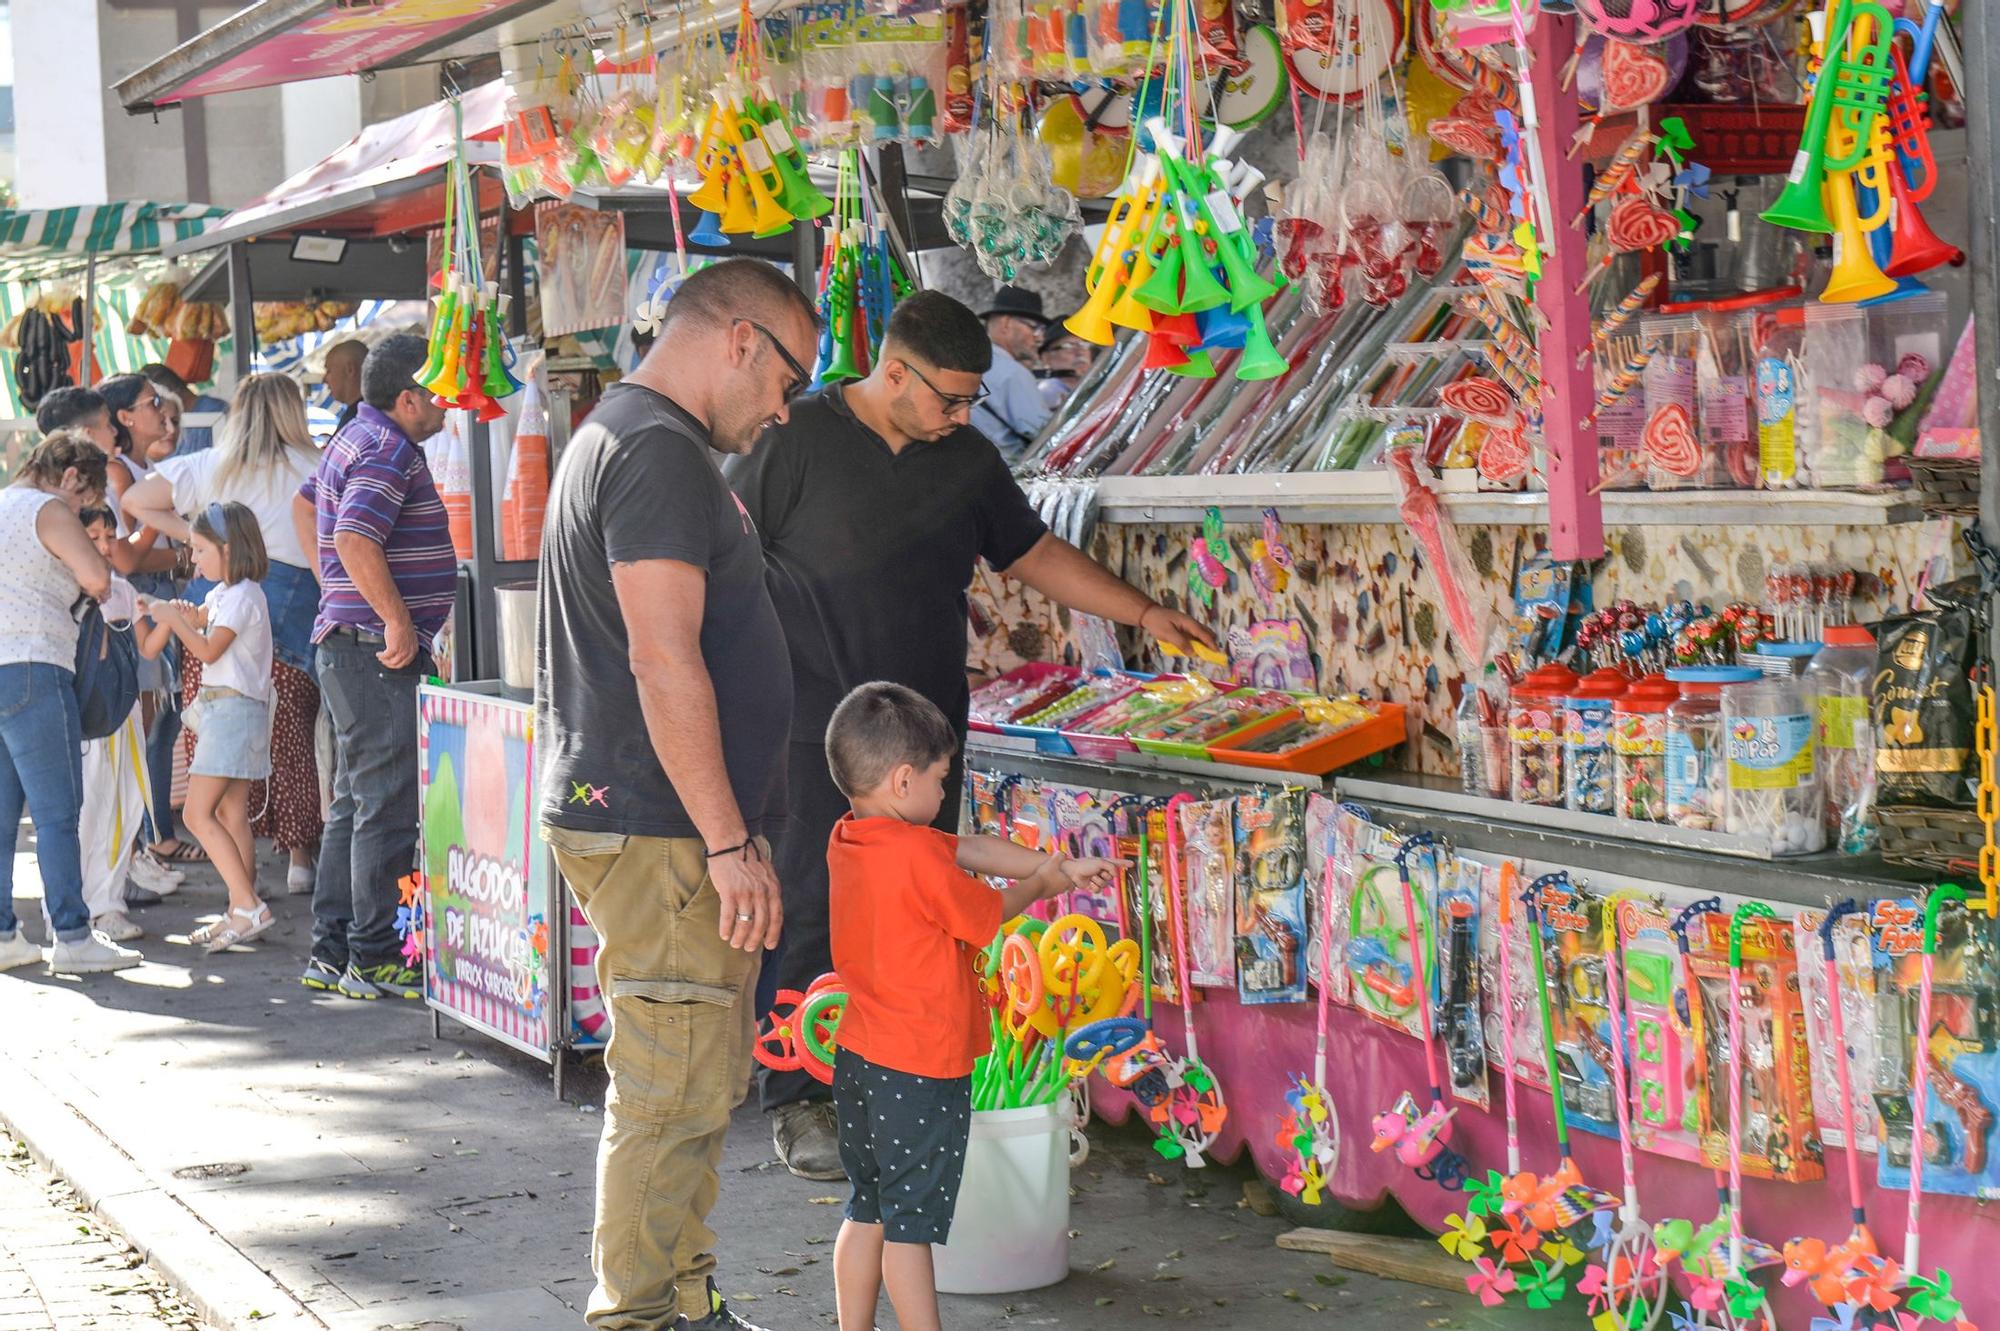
(1014, 410)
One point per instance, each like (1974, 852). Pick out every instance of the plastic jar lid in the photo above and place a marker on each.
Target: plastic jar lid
(1710, 679)
(1600, 684)
(1549, 681)
(1654, 693)
(1849, 635)
(1789, 650)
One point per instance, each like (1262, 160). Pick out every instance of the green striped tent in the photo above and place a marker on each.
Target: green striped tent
(44, 243)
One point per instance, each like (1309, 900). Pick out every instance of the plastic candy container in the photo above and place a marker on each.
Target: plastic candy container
(1482, 736)
(1534, 733)
(1675, 454)
(1694, 744)
(1772, 779)
(1837, 685)
(1586, 730)
(1639, 749)
(1777, 341)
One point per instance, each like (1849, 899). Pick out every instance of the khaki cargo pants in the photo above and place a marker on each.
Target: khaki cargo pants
(682, 1026)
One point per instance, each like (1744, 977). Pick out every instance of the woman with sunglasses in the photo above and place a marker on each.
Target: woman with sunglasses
(264, 451)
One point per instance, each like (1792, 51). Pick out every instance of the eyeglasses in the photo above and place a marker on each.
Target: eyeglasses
(801, 376)
(952, 402)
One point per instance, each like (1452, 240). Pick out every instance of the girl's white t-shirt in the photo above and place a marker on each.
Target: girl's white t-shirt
(267, 493)
(246, 665)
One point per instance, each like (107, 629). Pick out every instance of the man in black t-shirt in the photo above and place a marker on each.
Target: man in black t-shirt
(873, 503)
(662, 710)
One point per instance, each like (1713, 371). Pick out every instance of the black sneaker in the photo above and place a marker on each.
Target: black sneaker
(321, 976)
(720, 1317)
(141, 896)
(396, 980)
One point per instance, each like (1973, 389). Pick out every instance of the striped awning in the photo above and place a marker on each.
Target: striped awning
(44, 243)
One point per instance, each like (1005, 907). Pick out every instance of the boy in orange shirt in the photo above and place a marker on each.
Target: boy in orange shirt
(908, 922)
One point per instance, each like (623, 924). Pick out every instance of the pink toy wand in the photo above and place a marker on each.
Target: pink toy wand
(1744, 1298)
(1510, 882)
(1926, 1297)
(1423, 1145)
(1634, 1281)
(1831, 1270)
(1311, 1131)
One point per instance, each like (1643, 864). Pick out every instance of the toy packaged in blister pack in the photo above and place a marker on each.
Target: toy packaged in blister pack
(1330, 834)
(1517, 1006)
(1379, 966)
(1082, 821)
(1271, 897)
(1579, 1015)
(1962, 1046)
(1025, 815)
(1208, 888)
(1661, 1054)
(1160, 926)
(1853, 959)
(1780, 1132)
(1455, 979)
(983, 792)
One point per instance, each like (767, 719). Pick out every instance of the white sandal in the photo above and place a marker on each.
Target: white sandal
(236, 926)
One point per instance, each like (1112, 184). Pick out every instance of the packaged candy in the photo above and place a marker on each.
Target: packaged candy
(1772, 781)
(1588, 780)
(1695, 781)
(1534, 734)
(1837, 685)
(1776, 339)
(1639, 749)
(1675, 454)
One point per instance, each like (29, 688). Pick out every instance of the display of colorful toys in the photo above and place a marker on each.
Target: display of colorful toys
(467, 368)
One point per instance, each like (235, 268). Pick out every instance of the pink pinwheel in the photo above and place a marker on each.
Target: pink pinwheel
(1491, 1283)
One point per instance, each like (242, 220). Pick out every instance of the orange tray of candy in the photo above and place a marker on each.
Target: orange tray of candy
(1350, 744)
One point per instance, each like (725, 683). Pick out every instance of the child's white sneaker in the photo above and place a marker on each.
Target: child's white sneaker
(117, 926)
(16, 950)
(91, 956)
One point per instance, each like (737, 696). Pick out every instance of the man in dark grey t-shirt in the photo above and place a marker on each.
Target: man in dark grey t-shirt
(662, 711)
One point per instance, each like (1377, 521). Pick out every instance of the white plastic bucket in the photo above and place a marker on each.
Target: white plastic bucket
(1011, 1229)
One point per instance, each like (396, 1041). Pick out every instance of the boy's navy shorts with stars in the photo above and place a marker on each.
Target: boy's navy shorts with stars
(902, 1142)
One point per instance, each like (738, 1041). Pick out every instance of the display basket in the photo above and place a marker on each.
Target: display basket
(1945, 839)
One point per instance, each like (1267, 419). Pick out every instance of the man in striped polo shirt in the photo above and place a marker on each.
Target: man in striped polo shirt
(387, 576)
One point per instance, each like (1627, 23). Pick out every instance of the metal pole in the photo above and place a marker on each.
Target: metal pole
(805, 257)
(1982, 50)
(485, 556)
(242, 312)
(893, 180)
(89, 329)
(517, 277)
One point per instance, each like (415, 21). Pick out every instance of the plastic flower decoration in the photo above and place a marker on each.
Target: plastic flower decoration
(1464, 1236)
(1491, 1283)
(1543, 1286)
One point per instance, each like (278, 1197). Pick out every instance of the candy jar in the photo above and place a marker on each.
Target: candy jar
(1694, 744)
(1534, 733)
(1771, 781)
(1639, 749)
(1586, 730)
(1837, 685)
(1483, 763)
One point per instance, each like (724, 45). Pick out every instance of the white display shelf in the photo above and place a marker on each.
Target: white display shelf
(1371, 496)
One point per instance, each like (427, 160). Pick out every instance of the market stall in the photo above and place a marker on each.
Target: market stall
(1570, 422)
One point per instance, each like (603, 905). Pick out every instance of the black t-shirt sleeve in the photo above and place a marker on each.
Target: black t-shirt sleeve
(656, 498)
(1008, 527)
(768, 482)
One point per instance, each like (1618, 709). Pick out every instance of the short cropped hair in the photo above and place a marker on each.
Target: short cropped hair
(96, 513)
(166, 377)
(235, 527)
(879, 727)
(63, 407)
(737, 289)
(390, 370)
(935, 328)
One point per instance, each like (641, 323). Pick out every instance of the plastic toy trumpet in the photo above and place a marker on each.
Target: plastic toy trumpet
(1120, 264)
(1852, 89)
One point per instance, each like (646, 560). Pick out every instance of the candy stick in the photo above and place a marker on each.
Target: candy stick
(1616, 318)
(1615, 173)
(1623, 382)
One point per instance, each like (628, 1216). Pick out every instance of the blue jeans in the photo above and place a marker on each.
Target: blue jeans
(160, 753)
(371, 836)
(41, 766)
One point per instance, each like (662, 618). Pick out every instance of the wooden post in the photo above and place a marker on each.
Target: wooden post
(1576, 517)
